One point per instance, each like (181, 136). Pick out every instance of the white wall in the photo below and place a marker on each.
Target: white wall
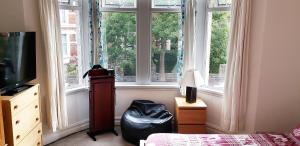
(32, 23)
(12, 15)
(275, 87)
(78, 103)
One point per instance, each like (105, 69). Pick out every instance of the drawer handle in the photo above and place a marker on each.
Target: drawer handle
(39, 131)
(36, 106)
(35, 93)
(36, 119)
(17, 122)
(18, 136)
(15, 107)
(38, 143)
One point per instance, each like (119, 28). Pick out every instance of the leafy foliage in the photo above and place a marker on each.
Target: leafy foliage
(120, 38)
(170, 60)
(165, 26)
(120, 30)
(219, 39)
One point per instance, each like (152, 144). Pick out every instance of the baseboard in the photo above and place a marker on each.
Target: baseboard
(52, 137)
(79, 126)
(214, 129)
(118, 121)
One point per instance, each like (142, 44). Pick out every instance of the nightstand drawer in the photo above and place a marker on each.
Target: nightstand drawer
(189, 116)
(191, 129)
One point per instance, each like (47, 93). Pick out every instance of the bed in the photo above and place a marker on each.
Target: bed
(262, 139)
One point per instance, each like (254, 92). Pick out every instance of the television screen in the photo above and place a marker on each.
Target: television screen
(17, 59)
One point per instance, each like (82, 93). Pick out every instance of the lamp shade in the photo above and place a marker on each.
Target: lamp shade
(191, 78)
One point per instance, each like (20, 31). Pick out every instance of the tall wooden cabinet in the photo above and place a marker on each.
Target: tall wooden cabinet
(101, 101)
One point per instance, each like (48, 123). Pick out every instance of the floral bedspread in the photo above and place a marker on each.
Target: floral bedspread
(162, 139)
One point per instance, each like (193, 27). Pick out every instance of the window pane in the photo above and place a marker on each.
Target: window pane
(119, 43)
(218, 48)
(63, 17)
(70, 34)
(64, 1)
(119, 3)
(166, 3)
(64, 43)
(219, 3)
(166, 28)
(69, 2)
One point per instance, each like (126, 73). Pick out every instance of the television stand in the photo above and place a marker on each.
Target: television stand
(16, 90)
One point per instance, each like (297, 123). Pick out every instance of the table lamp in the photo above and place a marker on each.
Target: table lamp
(189, 83)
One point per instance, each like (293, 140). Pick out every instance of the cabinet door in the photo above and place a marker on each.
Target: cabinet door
(2, 140)
(103, 104)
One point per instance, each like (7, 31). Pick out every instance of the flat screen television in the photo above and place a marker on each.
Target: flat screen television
(17, 59)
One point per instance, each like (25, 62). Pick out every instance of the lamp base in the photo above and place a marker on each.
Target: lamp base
(191, 94)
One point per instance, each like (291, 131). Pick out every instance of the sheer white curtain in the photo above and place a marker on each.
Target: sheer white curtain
(56, 101)
(235, 92)
(189, 44)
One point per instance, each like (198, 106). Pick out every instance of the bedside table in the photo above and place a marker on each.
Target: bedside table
(190, 117)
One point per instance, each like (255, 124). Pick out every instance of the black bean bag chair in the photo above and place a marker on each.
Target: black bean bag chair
(143, 118)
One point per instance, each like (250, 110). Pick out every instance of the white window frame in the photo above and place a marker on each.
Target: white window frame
(143, 12)
(83, 56)
(203, 36)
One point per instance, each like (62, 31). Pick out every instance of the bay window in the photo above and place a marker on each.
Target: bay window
(141, 40)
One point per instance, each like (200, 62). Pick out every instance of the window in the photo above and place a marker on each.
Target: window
(166, 3)
(69, 3)
(119, 41)
(119, 3)
(64, 43)
(70, 18)
(218, 32)
(118, 34)
(164, 48)
(125, 33)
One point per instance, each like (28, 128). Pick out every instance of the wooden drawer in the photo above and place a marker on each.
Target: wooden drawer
(25, 121)
(34, 138)
(191, 129)
(190, 116)
(22, 100)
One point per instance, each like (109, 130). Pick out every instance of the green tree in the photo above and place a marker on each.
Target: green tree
(120, 30)
(165, 26)
(120, 38)
(219, 40)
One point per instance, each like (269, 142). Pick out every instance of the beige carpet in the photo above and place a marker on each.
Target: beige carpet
(82, 139)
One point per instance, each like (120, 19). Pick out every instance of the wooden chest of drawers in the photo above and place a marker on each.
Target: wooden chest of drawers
(190, 118)
(22, 120)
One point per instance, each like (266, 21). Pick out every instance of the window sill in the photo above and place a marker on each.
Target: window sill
(211, 92)
(135, 86)
(76, 90)
(202, 90)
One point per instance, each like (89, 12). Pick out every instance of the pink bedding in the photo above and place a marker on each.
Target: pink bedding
(161, 139)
